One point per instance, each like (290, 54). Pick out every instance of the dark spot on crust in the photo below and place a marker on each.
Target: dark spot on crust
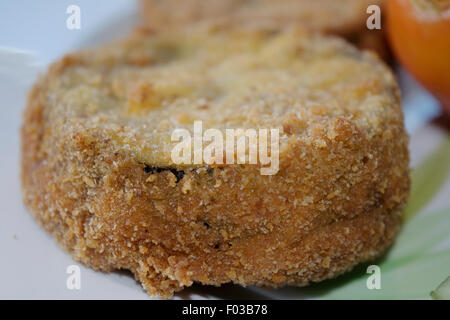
(216, 246)
(179, 174)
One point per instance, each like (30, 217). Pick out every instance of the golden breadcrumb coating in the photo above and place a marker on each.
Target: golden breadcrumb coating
(97, 173)
(346, 18)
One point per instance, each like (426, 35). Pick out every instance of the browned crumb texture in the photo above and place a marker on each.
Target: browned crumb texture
(96, 171)
(346, 18)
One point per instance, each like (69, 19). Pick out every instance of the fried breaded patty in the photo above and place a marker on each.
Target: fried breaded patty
(346, 18)
(97, 172)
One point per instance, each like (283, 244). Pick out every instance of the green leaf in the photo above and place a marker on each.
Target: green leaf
(443, 291)
(421, 234)
(427, 179)
(412, 280)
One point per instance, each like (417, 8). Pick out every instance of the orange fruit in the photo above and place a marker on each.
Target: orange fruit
(419, 33)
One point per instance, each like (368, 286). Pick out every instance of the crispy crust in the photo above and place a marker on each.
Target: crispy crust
(335, 201)
(346, 18)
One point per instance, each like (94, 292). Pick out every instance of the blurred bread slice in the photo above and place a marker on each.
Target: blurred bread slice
(346, 18)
